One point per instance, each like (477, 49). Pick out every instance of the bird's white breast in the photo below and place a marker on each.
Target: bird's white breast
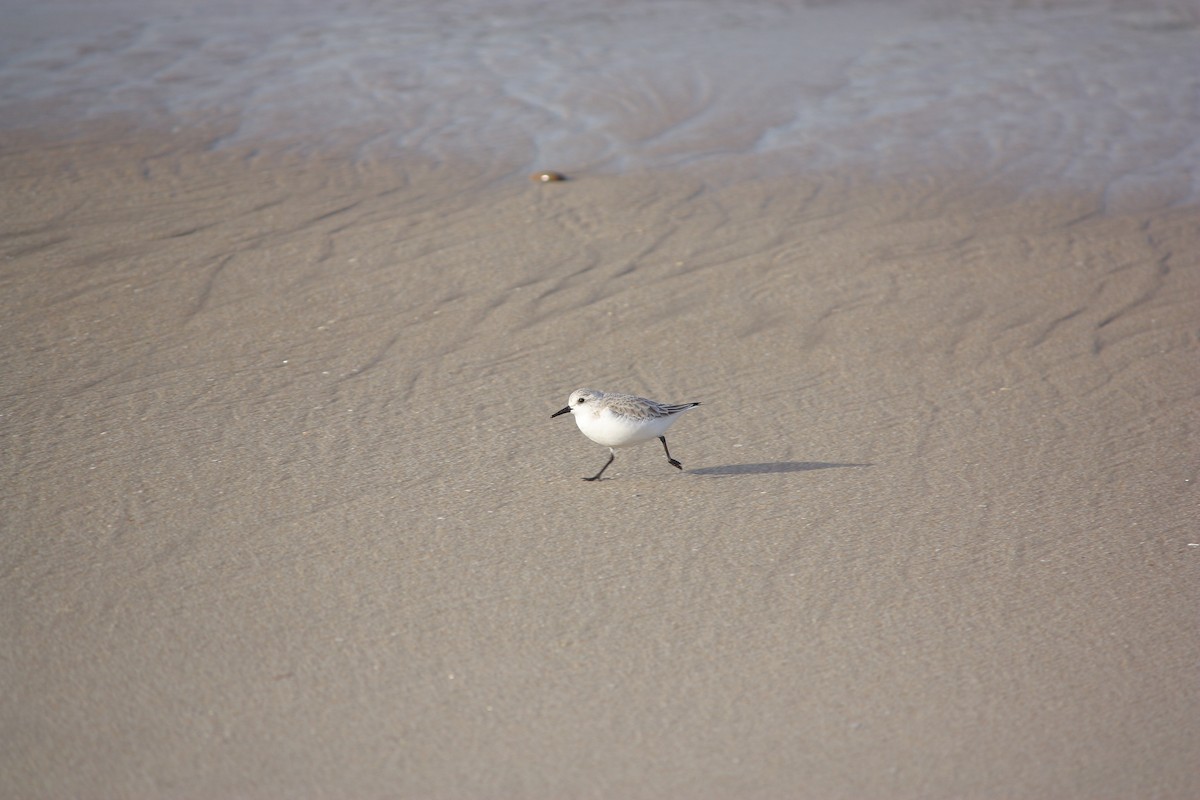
(604, 427)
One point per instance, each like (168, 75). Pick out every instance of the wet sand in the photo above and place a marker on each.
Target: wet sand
(285, 513)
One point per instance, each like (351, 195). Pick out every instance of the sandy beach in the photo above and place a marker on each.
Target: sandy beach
(284, 512)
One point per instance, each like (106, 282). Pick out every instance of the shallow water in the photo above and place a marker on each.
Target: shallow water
(1079, 95)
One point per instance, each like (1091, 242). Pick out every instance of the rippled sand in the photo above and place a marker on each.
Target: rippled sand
(284, 512)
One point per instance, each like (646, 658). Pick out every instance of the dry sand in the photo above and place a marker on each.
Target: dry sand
(285, 514)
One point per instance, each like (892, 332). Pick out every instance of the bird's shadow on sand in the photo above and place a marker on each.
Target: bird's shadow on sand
(771, 468)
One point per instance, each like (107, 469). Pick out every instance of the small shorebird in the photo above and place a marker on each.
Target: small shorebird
(621, 420)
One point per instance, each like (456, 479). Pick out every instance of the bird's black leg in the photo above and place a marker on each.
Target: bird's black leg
(670, 460)
(611, 455)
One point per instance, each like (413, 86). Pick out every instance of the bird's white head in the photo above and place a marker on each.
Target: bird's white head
(579, 400)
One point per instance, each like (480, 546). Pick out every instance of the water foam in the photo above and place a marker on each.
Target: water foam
(1073, 95)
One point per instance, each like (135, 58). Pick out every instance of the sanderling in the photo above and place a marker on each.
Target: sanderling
(621, 420)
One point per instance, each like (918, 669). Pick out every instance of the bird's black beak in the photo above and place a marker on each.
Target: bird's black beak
(566, 410)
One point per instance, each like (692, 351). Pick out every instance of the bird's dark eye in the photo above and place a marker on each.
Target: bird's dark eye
(582, 400)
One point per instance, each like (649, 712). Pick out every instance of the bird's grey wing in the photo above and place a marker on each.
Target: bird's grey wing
(675, 408)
